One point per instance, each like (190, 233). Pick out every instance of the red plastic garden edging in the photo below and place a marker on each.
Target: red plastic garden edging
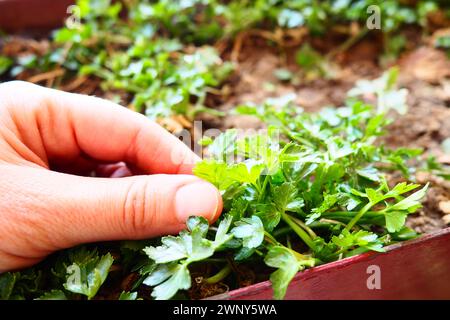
(32, 15)
(415, 269)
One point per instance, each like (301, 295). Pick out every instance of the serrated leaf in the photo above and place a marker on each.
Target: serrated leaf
(329, 200)
(374, 195)
(191, 246)
(214, 172)
(344, 240)
(223, 146)
(198, 222)
(395, 220)
(370, 173)
(245, 172)
(244, 253)
(410, 203)
(159, 274)
(172, 249)
(401, 188)
(238, 208)
(197, 247)
(179, 279)
(287, 264)
(250, 230)
(86, 278)
(361, 238)
(285, 196)
(269, 215)
(222, 235)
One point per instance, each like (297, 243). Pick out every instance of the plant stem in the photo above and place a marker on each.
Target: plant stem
(259, 253)
(359, 215)
(219, 276)
(366, 219)
(298, 230)
(297, 254)
(330, 221)
(288, 243)
(200, 108)
(270, 238)
(350, 214)
(263, 188)
(348, 43)
(304, 226)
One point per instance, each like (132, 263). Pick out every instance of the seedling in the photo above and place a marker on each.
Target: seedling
(322, 187)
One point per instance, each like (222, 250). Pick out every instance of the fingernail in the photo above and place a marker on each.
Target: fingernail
(197, 199)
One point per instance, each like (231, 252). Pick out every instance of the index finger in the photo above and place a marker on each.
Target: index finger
(71, 125)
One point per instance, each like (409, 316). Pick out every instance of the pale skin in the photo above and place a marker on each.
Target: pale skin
(50, 143)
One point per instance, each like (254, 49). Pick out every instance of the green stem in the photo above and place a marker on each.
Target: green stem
(270, 238)
(200, 108)
(259, 253)
(348, 43)
(347, 214)
(371, 217)
(263, 189)
(219, 276)
(359, 215)
(299, 231)
(330, 221)
(297, 254)
(305, 227)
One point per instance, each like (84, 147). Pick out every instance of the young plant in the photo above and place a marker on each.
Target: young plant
(313, 182)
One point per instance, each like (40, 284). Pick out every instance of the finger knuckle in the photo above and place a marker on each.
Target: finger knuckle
(142, 208)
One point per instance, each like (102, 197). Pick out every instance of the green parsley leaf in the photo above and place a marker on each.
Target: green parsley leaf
(287, 264)
(250, 230)
(86, 277)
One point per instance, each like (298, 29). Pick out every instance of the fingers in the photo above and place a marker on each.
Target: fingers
(60, 126)
(117, 170)
(55, 210)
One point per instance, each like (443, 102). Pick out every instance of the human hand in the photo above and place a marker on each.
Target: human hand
(43, 131)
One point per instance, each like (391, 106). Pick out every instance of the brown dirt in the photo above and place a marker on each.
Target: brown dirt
(254, 79)
(201, 289)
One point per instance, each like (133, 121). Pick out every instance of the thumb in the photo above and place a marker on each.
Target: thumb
(75, 210)
(137, 207)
